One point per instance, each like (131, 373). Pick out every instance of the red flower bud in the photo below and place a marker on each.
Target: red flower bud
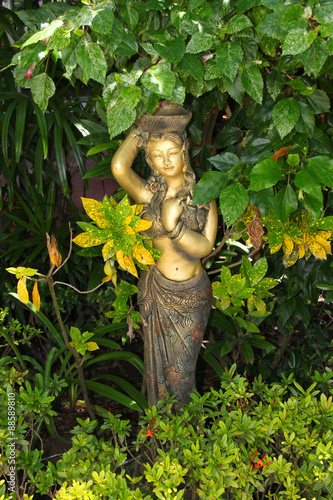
(30, 71)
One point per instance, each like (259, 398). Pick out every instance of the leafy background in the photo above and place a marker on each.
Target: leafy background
(257, 76)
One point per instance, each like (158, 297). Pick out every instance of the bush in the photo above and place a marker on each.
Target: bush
(265, 441)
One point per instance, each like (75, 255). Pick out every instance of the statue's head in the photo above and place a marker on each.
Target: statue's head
(166, 138)
(167, 154)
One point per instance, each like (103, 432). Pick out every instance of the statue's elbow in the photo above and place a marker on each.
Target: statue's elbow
(116, 169)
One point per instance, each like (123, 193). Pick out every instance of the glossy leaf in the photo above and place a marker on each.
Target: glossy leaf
(229, 55)
(285, 203)
(209, 187)
(42, 88)
(233, 201)
(285, 115)
(264, 175)
(253, 83)
(92, 60)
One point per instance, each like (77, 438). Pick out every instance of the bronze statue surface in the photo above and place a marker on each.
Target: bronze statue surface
(175, 295)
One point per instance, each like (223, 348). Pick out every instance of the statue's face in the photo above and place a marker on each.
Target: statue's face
(167, 157)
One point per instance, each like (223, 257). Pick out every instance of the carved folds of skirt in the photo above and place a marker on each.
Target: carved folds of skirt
(174, 316)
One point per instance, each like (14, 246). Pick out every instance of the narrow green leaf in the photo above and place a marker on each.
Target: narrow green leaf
(51, 197)
(5, 130)
(42, 128)
(247, 350)
(112, 394)
(75, 148)
(59, 155)
(38, 165)
(20, 126)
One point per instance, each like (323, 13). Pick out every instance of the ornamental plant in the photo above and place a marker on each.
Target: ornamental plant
(260, 440)
(256, 75)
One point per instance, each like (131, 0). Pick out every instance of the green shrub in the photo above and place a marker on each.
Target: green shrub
(240, 442)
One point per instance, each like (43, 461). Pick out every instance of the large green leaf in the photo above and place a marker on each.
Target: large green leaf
(209, 187)
(306, 122)
(285, 115)
(171, 50)
(160, 80)
(199, 42)
(265, 175)
(253, 83)
(44, 33)
(229, 55)
(321, 168)
(92, 60)
(315, 57)
(297, 41)
(120, 110)
(285, 203)
(192, 65)
(275, 82)
(233, 201)
(42, 88)
(238, 23)
(305, 180)
(224, 161)
(318, 101)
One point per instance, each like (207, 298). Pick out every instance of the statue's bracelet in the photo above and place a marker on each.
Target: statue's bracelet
(178, 232)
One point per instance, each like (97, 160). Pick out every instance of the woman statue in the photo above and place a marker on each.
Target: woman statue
(175, 295)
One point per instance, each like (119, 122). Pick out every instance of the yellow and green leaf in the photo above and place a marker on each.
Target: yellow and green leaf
(95, 211)
(22, 291)
(141, 254)
(88, 240)
(107, 250)
(36, 296)
(126, 262)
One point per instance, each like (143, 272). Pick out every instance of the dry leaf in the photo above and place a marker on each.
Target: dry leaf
(256, 231)
(36, 296)
(280, 153)
(22, 291)
(54, 254)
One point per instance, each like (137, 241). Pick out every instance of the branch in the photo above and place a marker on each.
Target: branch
(78, 291)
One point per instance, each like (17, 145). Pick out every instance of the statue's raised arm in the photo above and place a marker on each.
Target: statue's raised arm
(175, 295)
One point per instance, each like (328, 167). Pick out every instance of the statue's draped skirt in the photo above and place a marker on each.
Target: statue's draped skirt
(174, 316)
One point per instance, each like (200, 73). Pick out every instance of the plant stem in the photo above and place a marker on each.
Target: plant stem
(76, 355)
